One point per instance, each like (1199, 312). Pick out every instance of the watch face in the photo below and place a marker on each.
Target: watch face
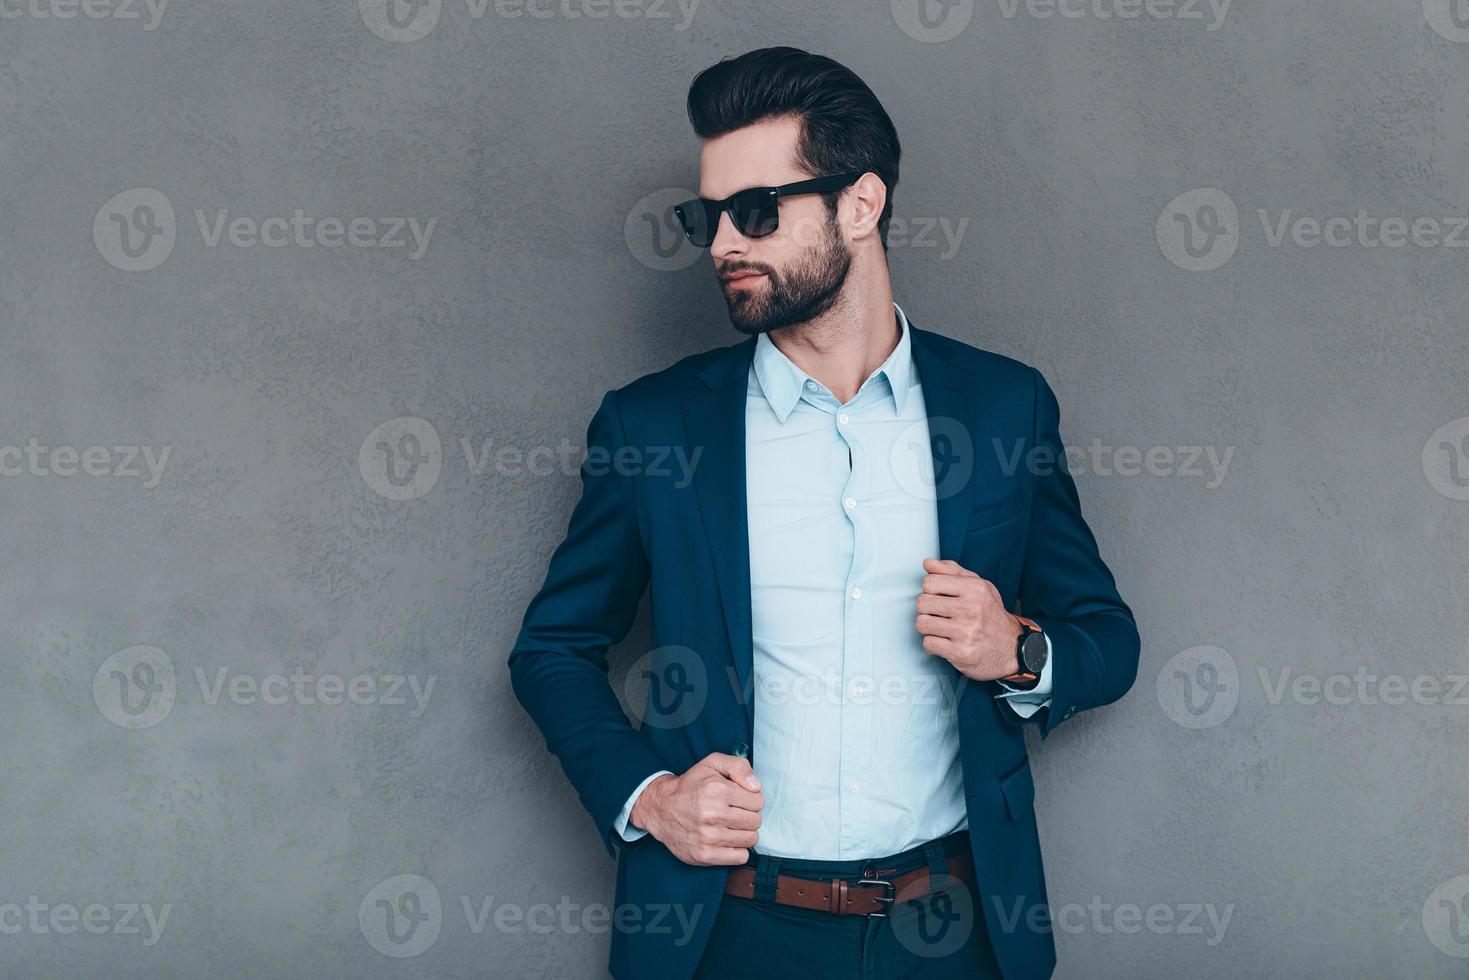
(1033, 652)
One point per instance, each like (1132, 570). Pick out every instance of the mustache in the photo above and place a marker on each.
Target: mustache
(731, 268)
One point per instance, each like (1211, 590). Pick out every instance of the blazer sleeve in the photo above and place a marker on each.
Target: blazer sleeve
(1067, 588)
(558, 666)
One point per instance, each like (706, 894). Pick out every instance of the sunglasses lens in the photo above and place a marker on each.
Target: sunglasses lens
(699, 220)
(756, 213)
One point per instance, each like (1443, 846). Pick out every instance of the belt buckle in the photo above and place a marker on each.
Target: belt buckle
(885, 900)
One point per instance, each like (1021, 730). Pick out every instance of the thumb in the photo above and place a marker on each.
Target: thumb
(733, 768)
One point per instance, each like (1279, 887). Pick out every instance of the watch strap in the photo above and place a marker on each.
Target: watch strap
(1023, 677)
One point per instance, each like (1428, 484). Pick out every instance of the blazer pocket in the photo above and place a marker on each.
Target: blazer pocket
(996, 512)
(1019, 791)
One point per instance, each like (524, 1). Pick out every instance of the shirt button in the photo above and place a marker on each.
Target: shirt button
(856, 593)
(858, 691)
(850, 503)
(855, 787)
(844, 418)
(811, 386)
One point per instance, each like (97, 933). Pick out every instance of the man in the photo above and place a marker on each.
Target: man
(831, 778)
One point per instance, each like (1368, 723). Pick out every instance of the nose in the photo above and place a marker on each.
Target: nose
(728, 244)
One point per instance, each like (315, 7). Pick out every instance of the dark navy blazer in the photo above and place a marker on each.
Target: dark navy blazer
(1007, 510)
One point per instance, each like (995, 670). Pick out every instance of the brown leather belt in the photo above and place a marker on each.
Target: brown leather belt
(872, 896)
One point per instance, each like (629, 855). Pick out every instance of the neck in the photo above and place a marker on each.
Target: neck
(842, 347)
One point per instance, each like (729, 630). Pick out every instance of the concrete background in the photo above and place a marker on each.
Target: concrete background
(160, 757)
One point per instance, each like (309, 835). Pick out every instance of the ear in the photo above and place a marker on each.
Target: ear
(866, 198)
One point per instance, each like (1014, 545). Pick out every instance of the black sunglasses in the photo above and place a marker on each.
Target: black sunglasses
(755, 211)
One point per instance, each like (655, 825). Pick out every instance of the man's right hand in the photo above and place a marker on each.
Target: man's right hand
(707, 816)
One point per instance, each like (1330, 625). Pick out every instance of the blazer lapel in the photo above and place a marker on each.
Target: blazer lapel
(951, 438)
(714, 421)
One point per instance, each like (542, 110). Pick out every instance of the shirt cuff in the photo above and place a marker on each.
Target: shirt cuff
(630, 833)
(1027, 703)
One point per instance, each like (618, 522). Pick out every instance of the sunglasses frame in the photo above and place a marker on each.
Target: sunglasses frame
(763, 197)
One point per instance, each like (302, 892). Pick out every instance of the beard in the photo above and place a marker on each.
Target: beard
(798, 294)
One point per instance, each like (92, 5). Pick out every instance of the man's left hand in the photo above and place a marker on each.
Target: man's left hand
(963, 620)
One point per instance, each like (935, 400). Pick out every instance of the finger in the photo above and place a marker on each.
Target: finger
(938, 626)
(941, 647)
(724, 855)
(715, 836)
(736, 818)
(736, 795)
(733, 768)
(940, 605)
(945, 566)
(940, 584)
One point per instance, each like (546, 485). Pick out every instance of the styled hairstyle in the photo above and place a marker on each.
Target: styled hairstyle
(844, 128)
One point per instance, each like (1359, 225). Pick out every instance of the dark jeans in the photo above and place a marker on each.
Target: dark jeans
(938, 936)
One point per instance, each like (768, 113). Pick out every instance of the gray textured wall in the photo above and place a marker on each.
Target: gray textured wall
(1126, 202)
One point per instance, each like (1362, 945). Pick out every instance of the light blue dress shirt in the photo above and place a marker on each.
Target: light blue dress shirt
(856, 742)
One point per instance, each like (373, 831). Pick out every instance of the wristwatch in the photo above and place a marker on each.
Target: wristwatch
(1031, 650)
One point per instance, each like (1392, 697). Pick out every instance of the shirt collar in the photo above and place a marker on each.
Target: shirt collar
(781, 380)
